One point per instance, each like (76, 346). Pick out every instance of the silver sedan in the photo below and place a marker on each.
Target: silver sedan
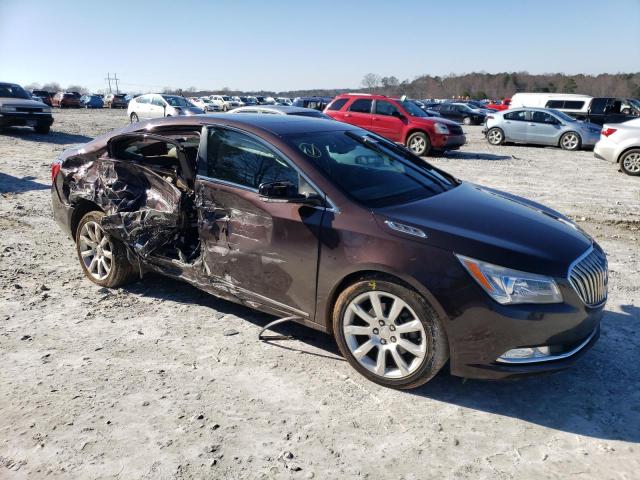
(540, 126)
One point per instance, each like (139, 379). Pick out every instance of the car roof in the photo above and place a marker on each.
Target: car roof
(256, 122)
(286, 109)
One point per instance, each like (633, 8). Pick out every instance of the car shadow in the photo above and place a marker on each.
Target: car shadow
(11, 184)
(53, 137)
(474, 156)
(320, 344)
(597, 398)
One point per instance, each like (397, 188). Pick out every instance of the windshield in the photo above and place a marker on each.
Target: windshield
(369, 169)
(225, 98)
(176, 101)
(8, 90)
(206, 100)
(562, 115)
(635, 102)
(412, 109)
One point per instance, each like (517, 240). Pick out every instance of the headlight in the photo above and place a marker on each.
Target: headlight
(441, 128)
(8, 109)
(508, 286)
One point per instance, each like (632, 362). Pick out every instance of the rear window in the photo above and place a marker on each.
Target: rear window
(337, 104)
(554, 104)
(568, 104)
(361, 105)
(573, 105)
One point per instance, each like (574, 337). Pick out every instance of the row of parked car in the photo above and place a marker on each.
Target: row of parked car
(78, 100)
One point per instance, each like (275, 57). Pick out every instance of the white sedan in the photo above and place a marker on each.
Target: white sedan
(620, 143)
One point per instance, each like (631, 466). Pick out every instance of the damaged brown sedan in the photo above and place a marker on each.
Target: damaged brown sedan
(349, 233)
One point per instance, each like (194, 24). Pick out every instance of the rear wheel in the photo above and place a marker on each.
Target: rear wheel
(495, 136)
(389, 333)
(466, 120)
(134, 117)
(570, 141)
(419, 143)
(630, 162)
(103, 259)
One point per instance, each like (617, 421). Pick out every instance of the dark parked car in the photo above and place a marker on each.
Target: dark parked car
(18, 109)
(91, 101)
(317, 103)
(460, 112)
(44, 95)
(116, 100)
(65, 100)
(347, 232)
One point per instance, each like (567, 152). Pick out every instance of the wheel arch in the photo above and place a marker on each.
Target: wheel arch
(379, 274)
(80, 210)
(626, 150)
(413, 130)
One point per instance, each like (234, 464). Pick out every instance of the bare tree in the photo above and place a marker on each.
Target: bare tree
(77, 88)
(371, 80)
(52, 87)
(32, 86)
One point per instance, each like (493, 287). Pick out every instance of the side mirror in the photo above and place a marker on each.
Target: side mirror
(284, 192)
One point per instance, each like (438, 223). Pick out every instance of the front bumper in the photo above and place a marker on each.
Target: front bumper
(448, 142)
(481, 334)
(21, 119)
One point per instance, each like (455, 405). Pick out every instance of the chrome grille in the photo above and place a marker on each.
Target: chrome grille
(589, 277)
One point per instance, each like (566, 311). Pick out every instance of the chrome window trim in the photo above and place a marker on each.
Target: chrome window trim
(331, 206)
(550, 358)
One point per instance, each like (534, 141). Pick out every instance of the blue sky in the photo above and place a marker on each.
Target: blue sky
(282, 45)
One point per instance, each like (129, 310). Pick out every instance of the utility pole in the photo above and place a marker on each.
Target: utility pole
(108, 79)
(115, 77)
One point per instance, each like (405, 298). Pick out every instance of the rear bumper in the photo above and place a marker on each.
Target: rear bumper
(19, 119)
(62, 212)
(606, 150)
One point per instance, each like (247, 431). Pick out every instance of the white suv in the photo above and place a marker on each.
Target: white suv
(620, 143)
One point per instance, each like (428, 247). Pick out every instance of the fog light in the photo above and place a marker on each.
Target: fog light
(530, 354)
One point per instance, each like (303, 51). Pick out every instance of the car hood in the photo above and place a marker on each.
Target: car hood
(21, 102)
(431, 120)
(495, 227)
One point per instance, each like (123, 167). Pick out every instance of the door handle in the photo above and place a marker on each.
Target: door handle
(532, 124)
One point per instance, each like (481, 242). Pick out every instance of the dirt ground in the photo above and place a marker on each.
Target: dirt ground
(146, 382)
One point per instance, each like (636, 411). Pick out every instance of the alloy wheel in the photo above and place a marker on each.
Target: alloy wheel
(631, 163)
(384, 334)
(494, 137)
(96, 250)
(417, 144)
(570, 141)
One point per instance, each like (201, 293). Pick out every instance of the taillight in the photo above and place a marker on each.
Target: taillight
(608, 131)
(55, 169)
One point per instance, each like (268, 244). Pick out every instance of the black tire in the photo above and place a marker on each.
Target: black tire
(44, 129)
(134, 117)
(629, 162)
(437, 348)
(497, 134)
(421, 142)
(224, 108)
(574, 146)
(467, 120)
(122, 272)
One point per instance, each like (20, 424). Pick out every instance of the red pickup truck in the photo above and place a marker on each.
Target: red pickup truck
(502, 105)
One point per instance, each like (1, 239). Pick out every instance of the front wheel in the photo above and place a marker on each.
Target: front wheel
(466, 120)
(570, 141)
(103, 259)
(630, 162)
(389, 333)
(419, 144)
(134, 117)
